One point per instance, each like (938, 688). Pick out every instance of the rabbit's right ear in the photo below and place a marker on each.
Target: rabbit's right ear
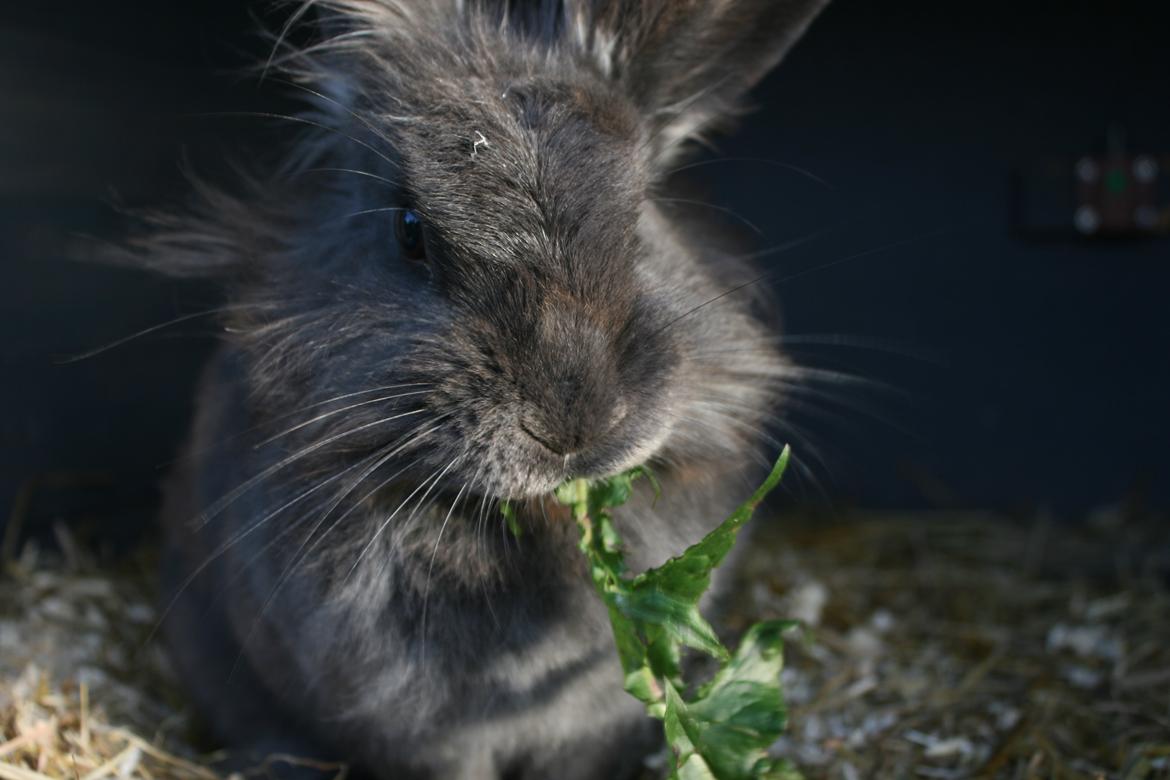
(687, 63)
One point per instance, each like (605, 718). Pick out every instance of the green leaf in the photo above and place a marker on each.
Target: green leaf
(651, 604)
(723, 730)
(695, 768)
(689, 574)
(741, 711)
(509, 513)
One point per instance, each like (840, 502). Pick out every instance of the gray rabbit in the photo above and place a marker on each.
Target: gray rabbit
(461, 288)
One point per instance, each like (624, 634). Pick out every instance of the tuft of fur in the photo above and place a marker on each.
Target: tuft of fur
(340, 575)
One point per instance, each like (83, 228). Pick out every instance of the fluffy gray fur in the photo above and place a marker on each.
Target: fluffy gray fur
(342, 581)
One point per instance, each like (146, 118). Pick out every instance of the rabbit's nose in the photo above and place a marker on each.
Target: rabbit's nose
(570, 393)
(572, 414)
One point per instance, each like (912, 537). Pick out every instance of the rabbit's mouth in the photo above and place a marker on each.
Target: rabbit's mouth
(525, 463)
(548, 444)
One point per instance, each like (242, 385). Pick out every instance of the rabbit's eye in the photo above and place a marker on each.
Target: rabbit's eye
(408, 227)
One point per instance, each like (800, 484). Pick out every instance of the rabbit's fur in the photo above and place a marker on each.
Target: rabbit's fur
(343, 581)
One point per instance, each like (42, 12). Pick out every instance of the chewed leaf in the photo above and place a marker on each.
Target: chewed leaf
(509, 513)
(758, 659)
(723, 731)
(695, 768)
(735, 717)
(678, 618)
(778, 769)
(566, 493)
(689, 575)
(745, 694)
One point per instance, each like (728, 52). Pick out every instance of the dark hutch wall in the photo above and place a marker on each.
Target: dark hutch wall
(1026, 369)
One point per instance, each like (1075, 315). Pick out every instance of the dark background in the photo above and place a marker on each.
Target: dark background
(1001, 369)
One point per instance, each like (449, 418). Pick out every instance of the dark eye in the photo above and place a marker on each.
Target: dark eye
(408, 227)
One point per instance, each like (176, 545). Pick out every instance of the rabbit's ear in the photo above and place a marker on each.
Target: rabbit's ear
(688, 63)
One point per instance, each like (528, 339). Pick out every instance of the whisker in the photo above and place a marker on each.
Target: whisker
(386, 523)
(262, 552)
(812, 396)
(851, 341)
(829, 376)
(154, 329)
(785, 342)
(354, 171)
(771, 275)
(305, 553)
(316, 404)
(421, 507)
(374, 130)
(804, 446)
(772, 441)
(744, 285)
(239, 536)
(544, 511)
(364, 212)
(756, 160)
(713, 207)
(708, 425)
(431, 568)
(481, 518)
(865, 253)
(333, 412)
(289, 23)
(356, 393)
(494, 512)
(481, 541)
(794, 373)
(303, 121)
(301, 554)
(219, 506)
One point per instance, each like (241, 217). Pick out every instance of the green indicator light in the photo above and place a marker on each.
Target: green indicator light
(1116, 182)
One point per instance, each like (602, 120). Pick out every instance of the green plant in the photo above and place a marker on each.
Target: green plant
(720, 729)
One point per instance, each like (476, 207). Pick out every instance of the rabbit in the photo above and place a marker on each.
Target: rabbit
(460, 287)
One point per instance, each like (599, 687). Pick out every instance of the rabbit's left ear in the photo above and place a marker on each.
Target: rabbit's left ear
(688, 63)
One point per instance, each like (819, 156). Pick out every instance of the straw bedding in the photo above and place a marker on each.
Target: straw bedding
(950, 645)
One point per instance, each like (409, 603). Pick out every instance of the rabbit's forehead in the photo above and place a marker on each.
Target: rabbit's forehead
(534, 172)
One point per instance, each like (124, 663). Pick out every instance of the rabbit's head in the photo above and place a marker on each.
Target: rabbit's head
(465, 273)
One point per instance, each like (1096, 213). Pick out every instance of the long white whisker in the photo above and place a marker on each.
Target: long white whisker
(415, 438)
(219, 506)
(363, 212)
(778, 280)
(315, 405)
(431, 568)
(784, 247)
(714, 207)
(154, 329)
(333, 412)
(242, 534)
(386, 523)
(304, 121)
(755, 161)
(813, 396)
(301, 553)
(374, 130)
(354, 171)
(289, 23)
